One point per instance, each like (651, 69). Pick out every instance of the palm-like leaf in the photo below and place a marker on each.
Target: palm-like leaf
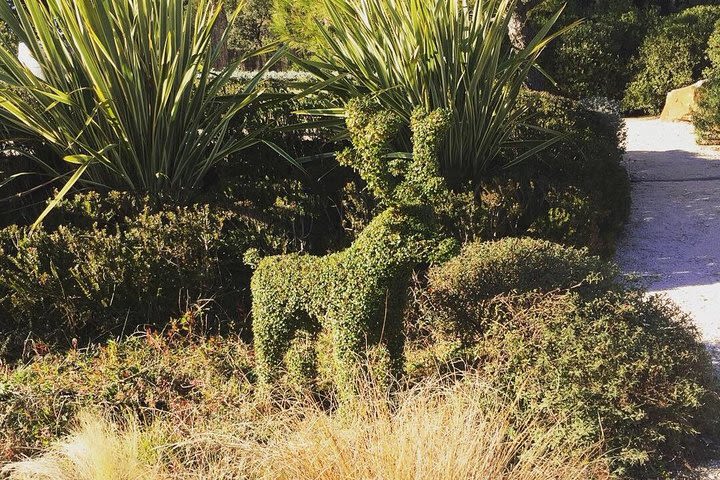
(128, 93)
(436, 54)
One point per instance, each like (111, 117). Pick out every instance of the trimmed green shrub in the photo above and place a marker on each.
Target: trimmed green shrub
(593, 58)
(115, 273)
(623, 369)
(672, 56)
(108, 263)
(707, 116)
(550, 327)
(713, 49)
(459, 291)
(357, 294)
(575, 192)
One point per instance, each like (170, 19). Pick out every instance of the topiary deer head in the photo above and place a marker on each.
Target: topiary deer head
(396, 178)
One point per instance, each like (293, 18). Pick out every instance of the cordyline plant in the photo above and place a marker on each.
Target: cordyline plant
(449, 54)
(126, 91)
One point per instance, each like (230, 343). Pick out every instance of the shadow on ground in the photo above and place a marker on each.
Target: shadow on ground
(672, 239)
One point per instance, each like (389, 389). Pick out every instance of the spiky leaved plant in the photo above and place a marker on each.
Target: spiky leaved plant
(449, 54)
(126, 92)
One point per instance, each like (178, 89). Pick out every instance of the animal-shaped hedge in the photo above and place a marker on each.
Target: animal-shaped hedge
(358, 294)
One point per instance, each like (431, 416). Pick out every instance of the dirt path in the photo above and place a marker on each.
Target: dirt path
(673, 238)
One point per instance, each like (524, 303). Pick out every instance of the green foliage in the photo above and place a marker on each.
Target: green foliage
(151, 375)
(460, 291)
(250, 29)
(374, 47)
(713, 49)
(584, 185)
(671, 56)
(574, 192)
(7, 37)
(357, 294)
(593, 58)
(550, 327)
(116, 272)
(707, 116)
(148, 260)
(107, 74)
(296, 22)
(622, 368)
(298, 135)
(106, 264)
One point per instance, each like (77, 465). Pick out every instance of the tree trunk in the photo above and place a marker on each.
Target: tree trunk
(218, 30)
(521, 32)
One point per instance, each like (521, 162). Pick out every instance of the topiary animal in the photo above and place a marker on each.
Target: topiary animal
(358, 294)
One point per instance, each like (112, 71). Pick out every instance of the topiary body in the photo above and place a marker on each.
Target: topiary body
(357, 294)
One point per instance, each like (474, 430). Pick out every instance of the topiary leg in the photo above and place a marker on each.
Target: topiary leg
(273, 330)
(301, 359)
(391, 329)
(349, 338)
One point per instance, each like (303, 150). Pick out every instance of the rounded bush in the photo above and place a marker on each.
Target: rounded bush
(713, 48)
(577, 192)
(551, 327)
(106, 264)
(707, 116)
(592, 59)
(459, 291)
(621, 369)
(670, 57)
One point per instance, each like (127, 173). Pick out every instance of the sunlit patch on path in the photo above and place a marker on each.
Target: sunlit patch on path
(672, 241)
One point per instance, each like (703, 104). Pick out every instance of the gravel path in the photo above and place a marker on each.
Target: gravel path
(672, 240)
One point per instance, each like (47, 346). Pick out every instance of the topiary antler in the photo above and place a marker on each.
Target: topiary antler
(372, 131)
(396, 178)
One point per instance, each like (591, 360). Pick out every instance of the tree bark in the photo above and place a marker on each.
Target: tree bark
(217, 37)
(521, 32)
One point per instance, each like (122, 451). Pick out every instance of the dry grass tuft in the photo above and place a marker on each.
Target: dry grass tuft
(96, 450)
(439, 431)
(443, 433)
